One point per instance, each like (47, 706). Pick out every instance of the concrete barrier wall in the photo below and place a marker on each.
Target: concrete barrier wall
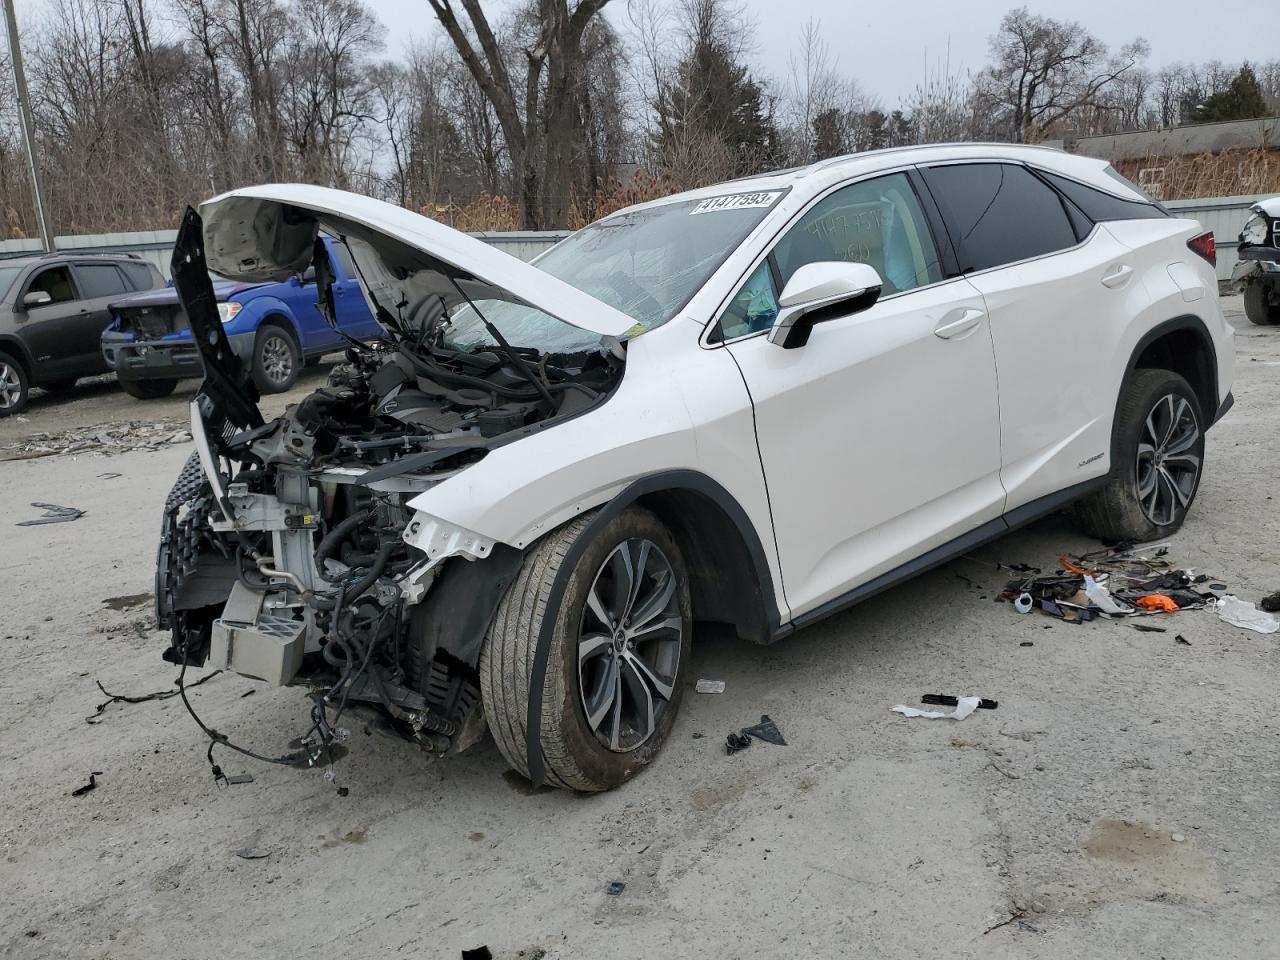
(157, 245)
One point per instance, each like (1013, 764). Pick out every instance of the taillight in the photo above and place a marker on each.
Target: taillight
(1205, 247)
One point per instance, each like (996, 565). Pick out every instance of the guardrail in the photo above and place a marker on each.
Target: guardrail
(157, 245)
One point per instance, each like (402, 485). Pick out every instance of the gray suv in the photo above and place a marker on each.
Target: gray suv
(53, 309)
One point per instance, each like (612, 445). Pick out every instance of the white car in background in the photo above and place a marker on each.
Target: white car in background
(755, 403)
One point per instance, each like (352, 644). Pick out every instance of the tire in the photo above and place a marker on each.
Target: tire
(277, 360)
(15, 388)
(1155, 470)
(59, 387)
(149, 389)
(578, 756)
(1258, 306)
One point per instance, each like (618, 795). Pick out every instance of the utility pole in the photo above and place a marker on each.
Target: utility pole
(28, 125)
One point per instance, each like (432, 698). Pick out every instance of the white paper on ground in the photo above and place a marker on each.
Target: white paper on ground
(1244, 614)
(710, 686)
(964, 707)
(1101, 597)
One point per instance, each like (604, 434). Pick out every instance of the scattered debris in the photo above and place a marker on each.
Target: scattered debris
(109, 439)
(615, 888)
(765, 730)
(964, 707)
(109, 475)
(1027, 643)
(52, 514)
(1159, 602)
(91, 785)
(252, 853)
(946, 700)
(236, 778)
(1182, 640)
(126, 601)
(710, 686)
(1004, 923)
(1118, 581)
(1271, 602)
(998, 769)
(478, 953)
(1241, 613)
(96, 716)
(1148, 628)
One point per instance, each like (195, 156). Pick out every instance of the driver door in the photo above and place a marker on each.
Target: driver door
(880, 438)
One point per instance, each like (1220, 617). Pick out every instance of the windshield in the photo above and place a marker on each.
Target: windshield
(649, 263)
(7, 276)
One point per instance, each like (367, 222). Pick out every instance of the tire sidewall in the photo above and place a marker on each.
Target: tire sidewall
(1128, 433)
(265, 384)
(24, 381)
(1257, 304)
(598, 764)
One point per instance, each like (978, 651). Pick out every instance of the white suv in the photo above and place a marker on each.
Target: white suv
(755, 403)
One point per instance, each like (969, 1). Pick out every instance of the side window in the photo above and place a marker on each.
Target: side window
(1099, 205)
(878, 222)
(753, 308)
(342, 259)
(100, 280)
(56, 281)
(999, 213)
(139, 275)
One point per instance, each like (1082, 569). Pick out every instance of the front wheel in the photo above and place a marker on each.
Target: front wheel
(620, 636)
(15, 389)
(1157, 459)
(1259, 306)
(149, 389)
(276, 359)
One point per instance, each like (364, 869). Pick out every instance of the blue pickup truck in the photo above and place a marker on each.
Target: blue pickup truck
(274, 327)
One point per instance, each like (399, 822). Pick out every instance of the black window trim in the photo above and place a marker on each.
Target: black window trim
(707, 339)
(974, 161)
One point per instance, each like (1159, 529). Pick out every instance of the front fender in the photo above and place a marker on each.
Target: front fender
(255, 311)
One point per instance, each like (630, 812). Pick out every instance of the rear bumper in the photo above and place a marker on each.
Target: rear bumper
(161, 359)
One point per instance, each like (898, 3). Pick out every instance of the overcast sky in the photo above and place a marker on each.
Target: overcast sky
(884, 44)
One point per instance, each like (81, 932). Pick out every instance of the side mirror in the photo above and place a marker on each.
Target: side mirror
(822, 291)
(308, 275)
(37, 298)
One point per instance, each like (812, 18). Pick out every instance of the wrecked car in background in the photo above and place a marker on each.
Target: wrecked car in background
(275, 328)
(753, 404)
(1258, 271)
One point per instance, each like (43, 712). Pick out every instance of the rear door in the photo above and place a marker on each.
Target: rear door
(880, 438)
(99, 283)
(50, 330)
(1057, 289)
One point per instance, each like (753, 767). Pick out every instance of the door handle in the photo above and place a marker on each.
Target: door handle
(956, 324)
(1117, 276)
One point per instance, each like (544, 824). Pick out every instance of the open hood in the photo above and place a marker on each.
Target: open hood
(269, 233)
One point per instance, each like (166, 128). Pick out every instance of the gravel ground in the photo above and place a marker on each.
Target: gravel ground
(1122, 799)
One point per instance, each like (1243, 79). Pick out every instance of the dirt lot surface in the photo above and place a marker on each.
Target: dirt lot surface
(1122, 801)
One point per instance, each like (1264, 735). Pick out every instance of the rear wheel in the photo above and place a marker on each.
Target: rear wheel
(276, 359)
(149, 389)
(619, 646)
(1258, 305)
(1157, 459)
(15, 389)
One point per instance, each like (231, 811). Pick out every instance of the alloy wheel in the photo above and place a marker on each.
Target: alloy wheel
(277, 358)
(10, 386)
(629, 645)
(1168, 465)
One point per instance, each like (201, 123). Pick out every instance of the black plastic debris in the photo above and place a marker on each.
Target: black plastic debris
(1147, 628)
(91, 785)
(765, 730)
(1027, 643)
(1182, 640)
(735, 742)
(239, 778)
(96, 716)
(252, 853)
(477, 953)
(615, 888)
(52, 514)
(946, 700)
(1271, 602)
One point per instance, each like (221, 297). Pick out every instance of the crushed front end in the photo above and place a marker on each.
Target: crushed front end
(289, 551)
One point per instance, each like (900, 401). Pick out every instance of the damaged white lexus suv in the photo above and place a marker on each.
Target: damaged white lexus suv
(753, 404)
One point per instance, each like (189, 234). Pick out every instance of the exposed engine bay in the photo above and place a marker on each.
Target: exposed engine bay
(289, 550)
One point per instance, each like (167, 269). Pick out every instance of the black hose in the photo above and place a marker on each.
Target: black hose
(333, 539)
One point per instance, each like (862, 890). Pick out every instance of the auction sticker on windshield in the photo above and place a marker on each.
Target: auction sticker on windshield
(737, 201)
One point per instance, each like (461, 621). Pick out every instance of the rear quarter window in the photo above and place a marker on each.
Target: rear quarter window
(999, 213)
(141, 276)
(1098, 205)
